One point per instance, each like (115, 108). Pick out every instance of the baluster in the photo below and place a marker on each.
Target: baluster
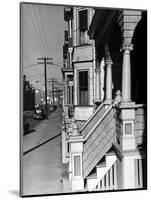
(111, 179)
(107, 181)
(141, 175)
(99, 186)
(103, 183)
(115, 176)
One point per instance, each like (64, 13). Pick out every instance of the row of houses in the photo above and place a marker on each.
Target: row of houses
(104, 99)
(28, 95)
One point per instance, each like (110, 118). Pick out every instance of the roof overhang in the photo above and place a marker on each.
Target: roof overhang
(101, 25)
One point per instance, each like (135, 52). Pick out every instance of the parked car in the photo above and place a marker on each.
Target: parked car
(51, 108)
(26, 125)
(39, 113)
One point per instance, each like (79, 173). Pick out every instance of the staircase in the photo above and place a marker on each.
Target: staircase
(103, 176)
(92, 120)
(98, 137)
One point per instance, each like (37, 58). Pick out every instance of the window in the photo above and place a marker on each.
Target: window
(83, 87)
(68, 94)
(83, 26)
(77, 168)
(83, 21)
(69, 89)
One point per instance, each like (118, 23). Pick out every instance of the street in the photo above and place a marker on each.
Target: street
(42, 167)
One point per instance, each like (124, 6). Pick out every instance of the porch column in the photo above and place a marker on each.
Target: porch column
(126, 73)
(98, 84)
(108, 63)
(108, 97)
(70, 56)
(70, 28)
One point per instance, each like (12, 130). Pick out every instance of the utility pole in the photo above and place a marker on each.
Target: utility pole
(45, 59)
(52, 82)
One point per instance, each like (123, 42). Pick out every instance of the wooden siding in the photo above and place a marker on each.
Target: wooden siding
(139, 126)
(97, 145)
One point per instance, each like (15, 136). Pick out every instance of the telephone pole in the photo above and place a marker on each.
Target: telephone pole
(45, 59)
(52, 82)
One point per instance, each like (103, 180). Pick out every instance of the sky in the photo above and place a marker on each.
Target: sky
(42, 35)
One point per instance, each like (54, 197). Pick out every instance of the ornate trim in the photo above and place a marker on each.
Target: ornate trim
(126, 47)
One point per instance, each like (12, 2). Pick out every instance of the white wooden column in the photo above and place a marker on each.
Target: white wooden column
(70, 56)
(108, 62)
(70, 28)
(98, 84)
(108, 91)
(126, 73)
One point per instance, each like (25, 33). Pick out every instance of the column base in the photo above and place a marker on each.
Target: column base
(107, 103)
(127, 103)
(128, 143)
(77, 185)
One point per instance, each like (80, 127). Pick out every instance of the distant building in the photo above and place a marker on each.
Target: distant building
(104, 99)
(38, 96)
(28, 95)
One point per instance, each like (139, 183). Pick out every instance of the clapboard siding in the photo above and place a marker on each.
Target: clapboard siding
(139, 126)
(99, 142)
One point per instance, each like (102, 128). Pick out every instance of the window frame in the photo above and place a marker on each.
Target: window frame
(78, 89)
(78, 41)
(80, 165)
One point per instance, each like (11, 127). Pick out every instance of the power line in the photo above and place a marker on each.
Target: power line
(28, 55)
(43, 29)
(32, 20)
(41, 38)
(56, 64)
(29, 66)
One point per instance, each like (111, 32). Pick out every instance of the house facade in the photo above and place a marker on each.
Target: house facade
(105, 97)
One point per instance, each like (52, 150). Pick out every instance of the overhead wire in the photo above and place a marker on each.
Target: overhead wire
(39, 30)
(27, 57)
(29, 66)
(33, 23)
(43, 30)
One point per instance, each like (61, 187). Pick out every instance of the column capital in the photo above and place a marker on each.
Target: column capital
(108, 62)
(70, 49)
(126, 47)
(97, 70)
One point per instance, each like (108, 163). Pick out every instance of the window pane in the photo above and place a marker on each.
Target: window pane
(83, 80)
(83, 88)
(68, 95)
(83, 20)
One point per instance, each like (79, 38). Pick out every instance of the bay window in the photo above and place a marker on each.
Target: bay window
(83, 88)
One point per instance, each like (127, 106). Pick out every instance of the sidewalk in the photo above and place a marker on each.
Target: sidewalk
(42, 167)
